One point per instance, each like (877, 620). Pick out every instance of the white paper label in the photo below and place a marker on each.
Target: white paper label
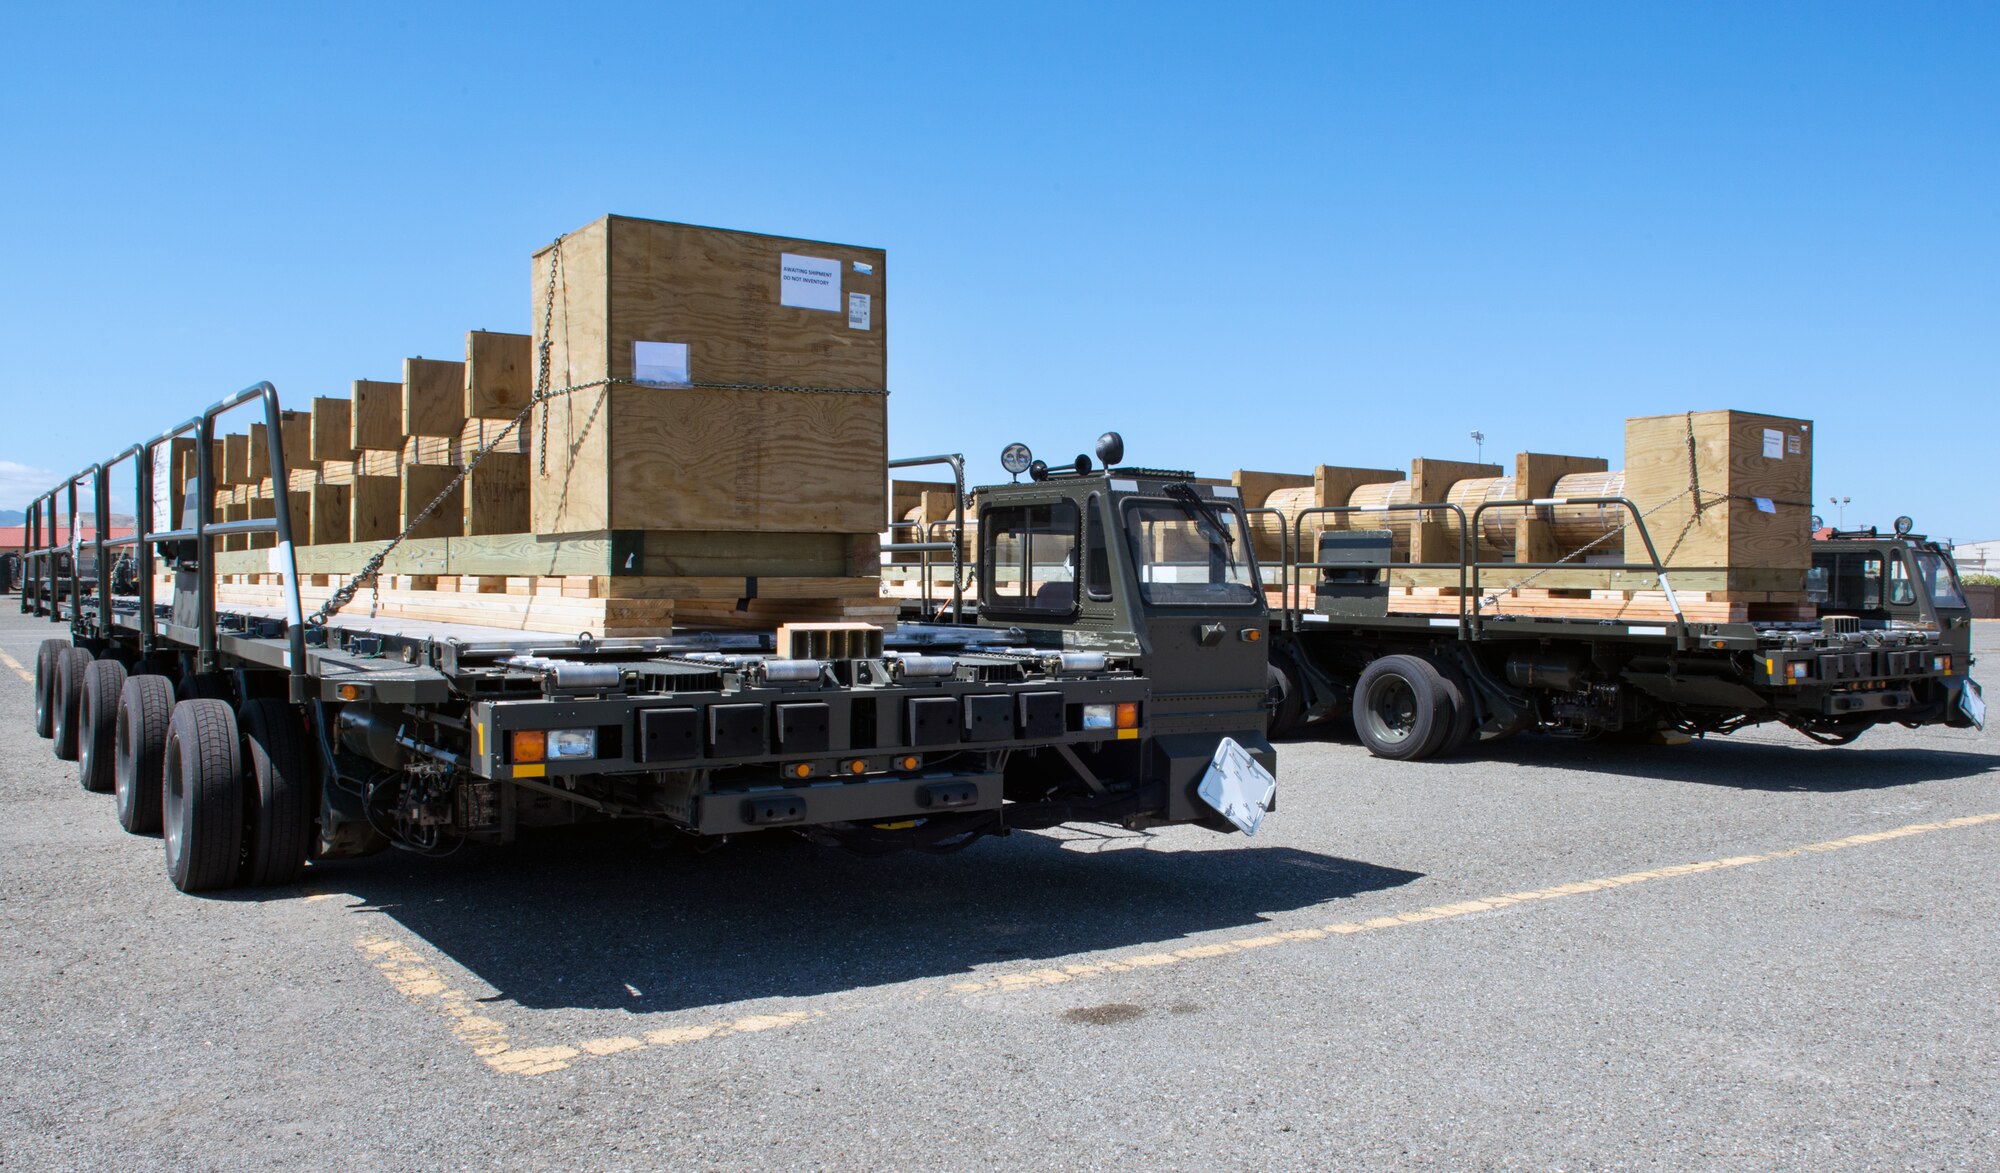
(1765, 505)
(1774, 444)
(863, 267)
(810, 283)
(660, 364)
(860, 311)
(1794, 444)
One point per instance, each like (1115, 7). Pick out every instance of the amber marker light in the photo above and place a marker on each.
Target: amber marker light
(530, 745)
(1128, 715)
(857, 766)
(350, 692)
(800, 770)
(910, 762)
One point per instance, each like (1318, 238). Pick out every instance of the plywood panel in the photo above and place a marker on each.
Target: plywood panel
(331, 517)
(433, 397)
(235, 467)
(377, 508)
(701, 459)
(295, 439)
(1434, 538)
(1536, 475)
(496, 495)
(421, 485)
(377, 415)
(332, 429)
(499, 374)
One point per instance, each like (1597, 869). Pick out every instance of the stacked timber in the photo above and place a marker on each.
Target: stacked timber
(719, 463)
(1726, 497)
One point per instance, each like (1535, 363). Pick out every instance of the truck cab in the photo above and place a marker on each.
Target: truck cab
(1898, 580)
(1147, 567)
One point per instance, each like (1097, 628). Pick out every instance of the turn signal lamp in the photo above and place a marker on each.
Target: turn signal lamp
(1128, 715)
(530, 745)
(1941, 664)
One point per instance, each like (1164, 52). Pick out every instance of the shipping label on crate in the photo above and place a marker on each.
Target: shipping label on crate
(1774, 444)
(860, 308)
(810, 283)
(660, 364)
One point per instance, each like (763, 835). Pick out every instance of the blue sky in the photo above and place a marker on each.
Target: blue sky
(1245, 236)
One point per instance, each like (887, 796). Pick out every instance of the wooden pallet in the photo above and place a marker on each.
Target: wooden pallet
(599, 604)
(1637, 606)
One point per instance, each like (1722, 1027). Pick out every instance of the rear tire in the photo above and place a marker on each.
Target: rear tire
(68, 700)
(97, 726)
(1460, 731)
(277, 794)
(1400, 709)
(145, 706)
(202, 788)
(46, 657)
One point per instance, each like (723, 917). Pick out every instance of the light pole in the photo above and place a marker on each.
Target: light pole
(1479, 445)
(1840, 506)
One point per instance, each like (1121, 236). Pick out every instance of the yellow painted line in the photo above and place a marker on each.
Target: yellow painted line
(421, 979)
(1048, 977)
(19, 671)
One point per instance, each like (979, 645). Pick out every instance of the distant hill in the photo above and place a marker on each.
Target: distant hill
(12, 517)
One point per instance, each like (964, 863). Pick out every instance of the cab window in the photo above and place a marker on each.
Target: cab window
(1939, 580)
(1847, 581)
(1902, 592)
(1029, 557)
(1189, 556)
(1096, 560)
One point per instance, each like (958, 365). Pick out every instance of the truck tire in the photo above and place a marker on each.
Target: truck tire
(97, 724)
(1400, 709)
(145, 706)
(45, 685)
(1460, 731)
(68, 700)
(277, 794)
(202, 796)
(1283, 702)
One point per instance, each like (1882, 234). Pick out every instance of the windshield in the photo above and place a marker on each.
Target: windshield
(1939, 579)
(1184, 559)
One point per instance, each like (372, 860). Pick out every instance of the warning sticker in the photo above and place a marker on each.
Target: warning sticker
(810, 283)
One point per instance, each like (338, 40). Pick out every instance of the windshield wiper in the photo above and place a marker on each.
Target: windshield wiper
(1200, 508)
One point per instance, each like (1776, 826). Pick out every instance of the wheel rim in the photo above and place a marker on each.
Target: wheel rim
(1393, 706)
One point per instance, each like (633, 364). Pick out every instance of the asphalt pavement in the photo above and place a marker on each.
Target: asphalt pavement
(1745, 953)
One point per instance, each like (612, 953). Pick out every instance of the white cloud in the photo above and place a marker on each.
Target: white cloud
(22, 483)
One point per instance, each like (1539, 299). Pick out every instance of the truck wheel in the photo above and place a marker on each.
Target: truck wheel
(46, 657)
(1399, 709)
(202, 792)
(68, 700)
(145, 705)
(1460, 731)
(277, 794)
(97, 724)
(1283, 702)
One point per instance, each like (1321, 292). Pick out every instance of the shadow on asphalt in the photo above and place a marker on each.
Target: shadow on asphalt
(1747, 765)
(1714, 761)
(610, 919)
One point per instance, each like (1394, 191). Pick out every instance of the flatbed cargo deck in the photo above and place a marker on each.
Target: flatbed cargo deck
(261, 737)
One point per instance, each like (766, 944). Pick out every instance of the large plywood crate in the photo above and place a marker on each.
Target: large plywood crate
(743, 382)
(1753, 476)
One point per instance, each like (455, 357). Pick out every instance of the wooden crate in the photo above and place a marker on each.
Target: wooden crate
(709, 458)
(1755, 474)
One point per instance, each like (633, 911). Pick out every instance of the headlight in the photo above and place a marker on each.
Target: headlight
(1100, 716)
(572, 743)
